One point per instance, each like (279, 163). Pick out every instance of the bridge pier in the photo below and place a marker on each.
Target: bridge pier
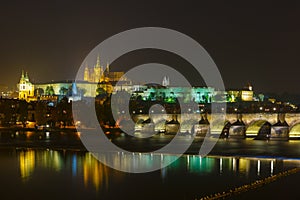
(238, 128)
(280, 130)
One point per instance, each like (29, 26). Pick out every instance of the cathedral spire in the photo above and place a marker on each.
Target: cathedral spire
(86, 76)
(98, 61)
(26, 76)
(107, 68)
(86, 67)
(97, 71)
(166, 81)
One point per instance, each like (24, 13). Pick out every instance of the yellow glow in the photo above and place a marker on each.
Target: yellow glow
(244, 165)
(295, 131)
(254, 128)
(27, 163)
(29, 134)
(247, 95)
(94, 172)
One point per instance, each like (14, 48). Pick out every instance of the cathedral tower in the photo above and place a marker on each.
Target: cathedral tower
(97, 71)
(86, 76)
(166, 81)
(105, 76)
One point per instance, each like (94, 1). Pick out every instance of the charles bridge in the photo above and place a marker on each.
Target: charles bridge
(267, 125)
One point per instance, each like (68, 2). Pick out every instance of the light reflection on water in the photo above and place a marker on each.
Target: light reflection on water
(92, 172)
(83, 164)
(76, 174)
(27, 163)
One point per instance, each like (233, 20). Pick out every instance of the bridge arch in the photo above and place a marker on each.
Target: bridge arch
(258, 128)
(293, 123)
(295, 130)
(160, 125)
(139, 125)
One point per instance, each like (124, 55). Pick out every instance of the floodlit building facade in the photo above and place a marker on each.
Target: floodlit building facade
(26, 88)
(98, 79)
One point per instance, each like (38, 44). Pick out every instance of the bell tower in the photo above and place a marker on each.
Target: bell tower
(86, 76)
(97, 71)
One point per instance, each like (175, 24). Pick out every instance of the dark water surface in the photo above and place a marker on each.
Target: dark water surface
(49, 171)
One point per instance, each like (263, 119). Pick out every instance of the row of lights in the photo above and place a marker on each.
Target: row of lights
(197, 111)
(260, 108)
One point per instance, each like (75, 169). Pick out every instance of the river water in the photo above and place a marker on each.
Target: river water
(34, 166)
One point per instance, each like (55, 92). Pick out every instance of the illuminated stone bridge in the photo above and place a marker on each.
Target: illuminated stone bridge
(256, 125)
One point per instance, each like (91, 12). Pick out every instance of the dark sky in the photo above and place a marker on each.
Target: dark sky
(257, 43)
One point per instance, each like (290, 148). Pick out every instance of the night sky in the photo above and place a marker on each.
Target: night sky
(256, 43)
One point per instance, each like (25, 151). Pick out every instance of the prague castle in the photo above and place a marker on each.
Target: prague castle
(96, 74)
(93, 78)
(99, 77)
